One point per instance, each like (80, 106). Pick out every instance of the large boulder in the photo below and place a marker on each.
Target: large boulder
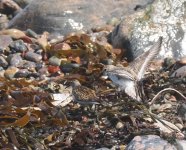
(166, 18)
(64, 16)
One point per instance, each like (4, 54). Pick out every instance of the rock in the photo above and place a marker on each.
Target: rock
(68, 67)
(29, 65)
(9, 7)
(54, 61)
(181, 144)
(3, 62)
(23, 73)
(10, 72)
(15, 60)
(18, 46)
(5, 41)
(119, 125)
(68, 16)
(33, 56)
(3, 21)
(152, 142)
(31, 33)
(163, 18)
(182, 111)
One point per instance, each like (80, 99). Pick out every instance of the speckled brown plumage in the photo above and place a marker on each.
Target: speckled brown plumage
(83, 94)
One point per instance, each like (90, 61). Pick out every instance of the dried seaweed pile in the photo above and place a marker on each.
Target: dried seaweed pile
(30, 119)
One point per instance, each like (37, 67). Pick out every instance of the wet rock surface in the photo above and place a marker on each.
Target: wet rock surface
(162, 18)
(151, 142)
(68, 16)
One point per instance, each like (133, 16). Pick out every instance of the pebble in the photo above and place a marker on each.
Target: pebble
(5, 41)
(43, 71)
(29, 65)
(15, 60)
(23, 73)
(119, 125)
(67, 68)
(31, 56)
(149, 142)
(182, 111)
(3, 62)
(107, 61)
(54, 61)
(3, 21)
(31, 33)
(18, 46)
(10, 72)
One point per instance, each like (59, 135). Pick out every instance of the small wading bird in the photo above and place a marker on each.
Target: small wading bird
(83, 95)
(129, 79)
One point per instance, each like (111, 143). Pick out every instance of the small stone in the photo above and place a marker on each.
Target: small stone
(3, 21)
(33, 57)
(107, 61)
(119, 125)
(54, 61)
(5, 41)
(31, 33)
(182, 111)
(10, 72)
(3, 62)
(66, 68)
(15, 60)
(29, 65)
(18, 46)
(43, 71)
(23, 73)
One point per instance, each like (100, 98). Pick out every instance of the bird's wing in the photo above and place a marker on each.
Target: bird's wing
(141, 63)
(122, 73)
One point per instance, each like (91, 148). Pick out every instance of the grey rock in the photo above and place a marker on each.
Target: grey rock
(54, 61)
(22, 73)
(181, 144)
(66, 68)
(3, 62)
(29, 65)
(107, 61)
(69, 16)
(31, 56)
(152, 142)
(15, 60)
(18, 46)
(5, 41)
(31, 33)
(162, 18)
(182, 111)
(3, 21)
